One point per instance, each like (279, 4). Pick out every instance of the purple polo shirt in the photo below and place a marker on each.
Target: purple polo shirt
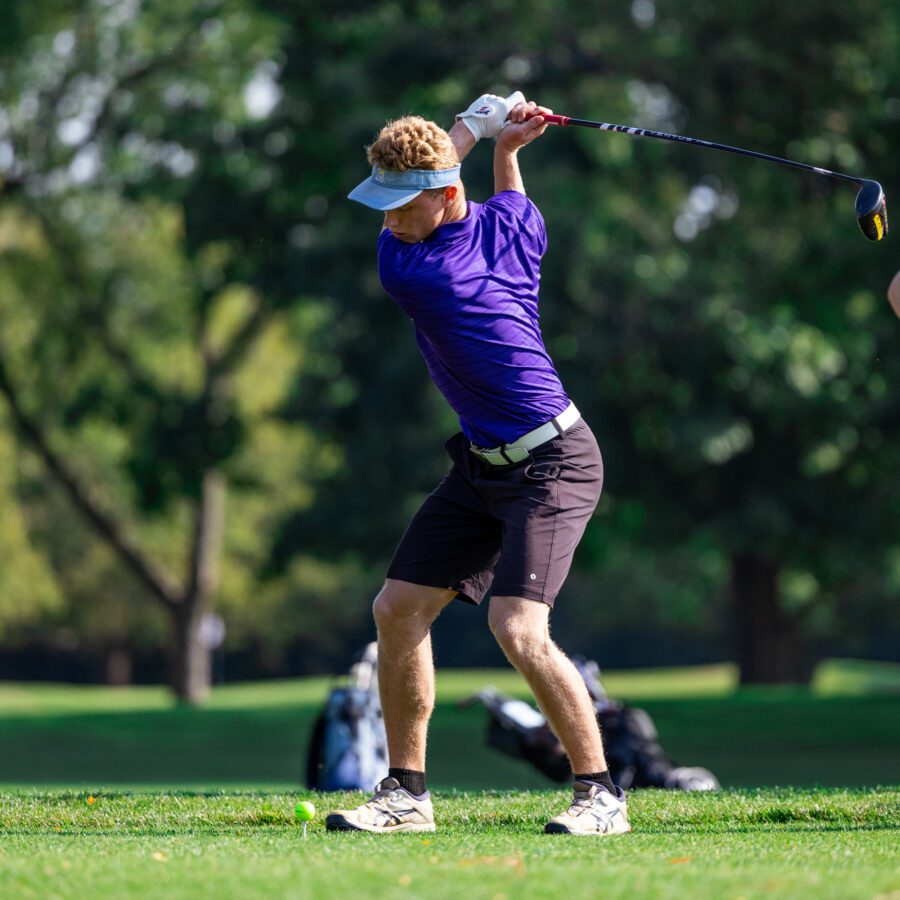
(471, 290)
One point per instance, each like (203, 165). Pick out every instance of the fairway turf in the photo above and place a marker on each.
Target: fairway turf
(753, 844)
(112, 820)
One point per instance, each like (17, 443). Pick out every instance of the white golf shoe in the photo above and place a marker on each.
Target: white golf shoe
(392, 808)
(594, 811)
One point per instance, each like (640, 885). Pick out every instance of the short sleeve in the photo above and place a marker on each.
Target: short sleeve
(512, 209)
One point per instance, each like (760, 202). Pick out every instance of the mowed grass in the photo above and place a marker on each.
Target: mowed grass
(770, 843)
(845, 732)
(118, 793)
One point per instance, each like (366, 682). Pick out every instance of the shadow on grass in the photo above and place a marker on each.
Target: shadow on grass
(746, 740)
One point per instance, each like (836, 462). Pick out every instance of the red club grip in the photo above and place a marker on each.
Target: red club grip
(552, 119)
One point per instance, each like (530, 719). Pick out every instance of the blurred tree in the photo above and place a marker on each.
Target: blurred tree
(744, 348)
(189, 302)
(28, 590)
(719, 320)
(136, 360)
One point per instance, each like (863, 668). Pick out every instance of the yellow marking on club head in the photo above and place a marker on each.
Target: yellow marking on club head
(879, 227)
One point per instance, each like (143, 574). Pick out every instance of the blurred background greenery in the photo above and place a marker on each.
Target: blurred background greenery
(211, 414)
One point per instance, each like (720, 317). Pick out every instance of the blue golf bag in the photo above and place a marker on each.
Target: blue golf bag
(348, 747)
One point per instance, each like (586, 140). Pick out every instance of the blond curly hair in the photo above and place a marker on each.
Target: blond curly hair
(412, 142)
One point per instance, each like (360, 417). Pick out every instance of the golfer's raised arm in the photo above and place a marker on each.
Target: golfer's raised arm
(520, 131)
(462, 139)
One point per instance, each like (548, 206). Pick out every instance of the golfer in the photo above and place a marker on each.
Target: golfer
(526, 472)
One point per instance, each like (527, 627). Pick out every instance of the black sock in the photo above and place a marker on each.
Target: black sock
(599, 778)
(409, 779)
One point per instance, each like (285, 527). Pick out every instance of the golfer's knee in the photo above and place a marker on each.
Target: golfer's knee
(523, 644)
(389, 608)
(403, 606)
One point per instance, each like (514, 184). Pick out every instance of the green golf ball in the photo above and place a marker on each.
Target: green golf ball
(305, 811)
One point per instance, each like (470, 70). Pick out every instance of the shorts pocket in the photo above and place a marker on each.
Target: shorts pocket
(542, 470)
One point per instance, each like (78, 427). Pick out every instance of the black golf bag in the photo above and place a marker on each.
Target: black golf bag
(348, 747)
(517, 729)
(630, 739)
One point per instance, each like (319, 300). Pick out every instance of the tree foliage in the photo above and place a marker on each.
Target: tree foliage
(186, 291)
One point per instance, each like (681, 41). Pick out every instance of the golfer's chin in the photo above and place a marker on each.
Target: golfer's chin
(406, 238)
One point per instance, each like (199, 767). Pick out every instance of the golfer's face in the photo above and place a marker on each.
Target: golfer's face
(414, 221)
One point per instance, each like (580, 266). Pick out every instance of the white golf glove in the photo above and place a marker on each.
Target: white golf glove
(487, 115)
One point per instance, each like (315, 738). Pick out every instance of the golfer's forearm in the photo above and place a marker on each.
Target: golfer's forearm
(507, 176)
(463, 140)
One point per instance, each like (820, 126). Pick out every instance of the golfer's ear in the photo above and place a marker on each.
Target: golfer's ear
(450, 194)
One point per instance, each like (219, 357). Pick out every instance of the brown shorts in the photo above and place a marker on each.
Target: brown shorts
(512, 529)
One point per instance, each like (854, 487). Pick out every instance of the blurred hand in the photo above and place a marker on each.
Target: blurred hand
(894, 294)
(524, 124)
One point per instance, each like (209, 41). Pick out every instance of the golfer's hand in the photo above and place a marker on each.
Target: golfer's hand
(487, 115)
(521, 128)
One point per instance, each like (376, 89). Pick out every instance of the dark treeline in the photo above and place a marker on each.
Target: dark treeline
(209, 406)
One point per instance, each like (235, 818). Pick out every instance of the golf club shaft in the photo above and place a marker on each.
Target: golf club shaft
(664, 136)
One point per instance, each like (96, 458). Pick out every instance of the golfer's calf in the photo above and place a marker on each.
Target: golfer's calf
(522, 629)
(403, 615)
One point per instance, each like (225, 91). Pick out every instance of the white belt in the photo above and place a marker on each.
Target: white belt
(518, 450)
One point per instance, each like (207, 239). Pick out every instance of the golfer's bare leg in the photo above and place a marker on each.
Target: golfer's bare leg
(522, 629)
(403, 614)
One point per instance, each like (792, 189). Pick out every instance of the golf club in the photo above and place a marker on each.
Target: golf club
(871, 207)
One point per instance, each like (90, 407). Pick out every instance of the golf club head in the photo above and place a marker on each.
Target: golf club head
(871, 211)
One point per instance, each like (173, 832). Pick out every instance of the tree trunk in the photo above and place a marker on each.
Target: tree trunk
(769, 650)
(191, 659)
(191, 654)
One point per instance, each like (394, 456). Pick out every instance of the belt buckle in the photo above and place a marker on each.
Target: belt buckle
(515, 454)
(508, 456)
